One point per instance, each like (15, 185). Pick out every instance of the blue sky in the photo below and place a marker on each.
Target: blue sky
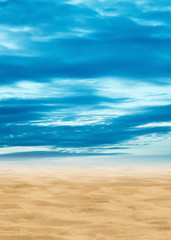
(85, 78)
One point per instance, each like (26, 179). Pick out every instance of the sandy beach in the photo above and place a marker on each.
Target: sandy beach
(64, 205)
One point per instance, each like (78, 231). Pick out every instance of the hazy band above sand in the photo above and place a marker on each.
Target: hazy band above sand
(84, 204)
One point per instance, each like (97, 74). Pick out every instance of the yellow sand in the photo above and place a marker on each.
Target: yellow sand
(85, 206)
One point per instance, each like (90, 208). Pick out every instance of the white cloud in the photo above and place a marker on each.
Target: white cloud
(155, 124)
(141, 94)
(14, 40)
(23, 89)
(17, 29)
(76, 32)
(146, 22)
(137, 95)
(7, 42)
(8, 150)
(152, 144)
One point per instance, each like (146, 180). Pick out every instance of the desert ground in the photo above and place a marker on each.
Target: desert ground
(85, 205)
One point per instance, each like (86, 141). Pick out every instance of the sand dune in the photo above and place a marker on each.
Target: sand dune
(82, 207)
